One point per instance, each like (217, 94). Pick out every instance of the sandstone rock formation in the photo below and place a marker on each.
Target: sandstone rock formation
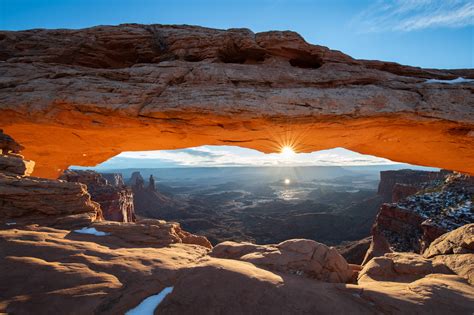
(151, 233)
(400, 267)
(355, 251)
(116, 201)
(121, 264)
(15, 165)
(379, 246)
(442, 204)
(451, 253)
(151, 203)
(459, 241)
(71, 272)
(396, 185)
(114, 179)
(297, 256)
(27, 200)
(96, 92)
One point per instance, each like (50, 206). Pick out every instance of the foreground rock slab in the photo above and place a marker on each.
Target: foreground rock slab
(313, 259)
(62, 271)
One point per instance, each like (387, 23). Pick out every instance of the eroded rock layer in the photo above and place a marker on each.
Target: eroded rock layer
(82, 96)
(116, 200)
(440, 205)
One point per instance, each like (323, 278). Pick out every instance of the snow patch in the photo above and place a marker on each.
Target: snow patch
(10, 223)
(92, 231)
(453, 81)
(148, 305)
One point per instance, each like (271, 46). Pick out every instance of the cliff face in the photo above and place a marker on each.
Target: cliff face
(151, 203)
(439, 206)
(396, 185)
(99, 91)
(115, 199)
(32, 200)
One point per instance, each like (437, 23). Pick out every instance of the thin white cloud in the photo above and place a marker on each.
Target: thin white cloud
(412, 15)
(235, 156)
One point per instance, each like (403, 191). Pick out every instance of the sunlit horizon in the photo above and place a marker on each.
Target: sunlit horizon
(233, 156)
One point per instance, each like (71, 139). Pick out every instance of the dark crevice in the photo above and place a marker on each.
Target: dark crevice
(234, 54)
(306, 61)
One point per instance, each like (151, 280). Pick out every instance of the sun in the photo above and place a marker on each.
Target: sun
(287, 181)
(287, 151)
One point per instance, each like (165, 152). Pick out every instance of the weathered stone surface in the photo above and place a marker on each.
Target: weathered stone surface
(27, 200)
(15, 165)
(143, 87)
(379, 246)
(400, 267)
(459, 241)
(151, 233)
(443, 204)
(67, 272)
(116, 201)
(298, 256)
(461, 264)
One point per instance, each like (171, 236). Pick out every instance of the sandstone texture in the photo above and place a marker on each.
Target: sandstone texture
(96, 92)
(298, 256)
(452, 253)
(459, 241)
(400, 267)
(58, 256)
(15, 165)
(50, 202)
(67, 272)
(115, 199)
(151, 233)
(25, 199)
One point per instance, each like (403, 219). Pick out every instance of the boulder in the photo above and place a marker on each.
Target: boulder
(298, 256)
(461, 264)
(459, 241)
(15, 165)
(400, 267)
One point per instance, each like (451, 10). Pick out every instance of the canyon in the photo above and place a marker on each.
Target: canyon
(79, 242)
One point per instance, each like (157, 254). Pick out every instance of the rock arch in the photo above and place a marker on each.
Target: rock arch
(79, 97)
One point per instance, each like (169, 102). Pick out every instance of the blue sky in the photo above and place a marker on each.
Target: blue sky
(425, 33)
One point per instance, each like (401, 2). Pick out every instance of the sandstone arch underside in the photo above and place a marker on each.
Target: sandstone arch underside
(79, 97)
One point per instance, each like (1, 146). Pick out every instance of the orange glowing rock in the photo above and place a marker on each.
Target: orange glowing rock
(150, 87)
